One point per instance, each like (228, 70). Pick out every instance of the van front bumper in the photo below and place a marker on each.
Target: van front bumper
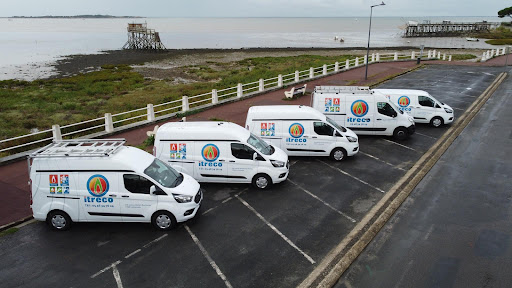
(411, 129)
(280, 175)
(352, 149)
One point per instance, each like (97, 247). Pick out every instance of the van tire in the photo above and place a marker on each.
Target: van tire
(261, 181)
(59, 220)
(163, 220)
(437, 122)
(338, 154)
(400, 133)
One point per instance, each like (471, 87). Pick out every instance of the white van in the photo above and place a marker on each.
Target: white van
(301, 131)
(220, 152)
(104, 181)
(363, 111)
(420, 105)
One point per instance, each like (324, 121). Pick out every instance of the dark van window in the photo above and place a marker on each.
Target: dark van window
(322, 128)
(386, 109)
(136, 184)
(426, 101)
(241, 151)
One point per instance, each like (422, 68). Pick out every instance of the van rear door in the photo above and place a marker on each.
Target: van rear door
(241, 165)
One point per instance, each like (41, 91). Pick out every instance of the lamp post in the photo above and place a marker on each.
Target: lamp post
(369, 29)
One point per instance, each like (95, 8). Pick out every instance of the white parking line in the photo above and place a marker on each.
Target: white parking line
(458, 108)
(117, 276)
(352, 176)
(131, 254)
(154, 241)
(224, 201)
(325, 203)
(207, 256)
(401, 145)
(378, 159)
(275, 230)
(426, 135)
(105, 269)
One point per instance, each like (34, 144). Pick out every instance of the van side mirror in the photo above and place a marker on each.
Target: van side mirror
(254, 156)
(152, 190)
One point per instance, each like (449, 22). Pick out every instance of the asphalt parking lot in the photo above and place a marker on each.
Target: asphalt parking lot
(245, 237)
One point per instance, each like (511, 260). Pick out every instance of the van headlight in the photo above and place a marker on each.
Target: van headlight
(180, 198)
(351, 139)
(277, 163)
(448, 110)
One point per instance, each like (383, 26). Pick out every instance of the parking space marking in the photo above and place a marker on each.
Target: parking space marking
(275, 230)
(207, 256)
(227, 200)
(154, 241)
(325, 203)
(117, 276)
(458, 108)
(353, 177)
(425, 135)
(131, 254)
(401, 145)
(105, 269)
(378, 159)
(458, 100)
(224, 201)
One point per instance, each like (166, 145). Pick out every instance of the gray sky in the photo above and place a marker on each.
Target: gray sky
(252, 8)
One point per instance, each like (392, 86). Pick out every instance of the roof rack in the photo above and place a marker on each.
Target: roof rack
(80, 148)
(344, 89)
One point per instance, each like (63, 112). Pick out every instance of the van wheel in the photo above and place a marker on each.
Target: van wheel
(163, 220)
(400, 133)
(59, 220)
(261, 181)
(436, 121)
(338, 154)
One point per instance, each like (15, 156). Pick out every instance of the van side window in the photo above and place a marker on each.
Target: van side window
(426, 101)
(136, 184)
(322, 128)
(241, 151)
(385, 109)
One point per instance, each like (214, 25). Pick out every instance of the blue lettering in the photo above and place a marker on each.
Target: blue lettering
(210, 164)
(301, 140)
(359, 120)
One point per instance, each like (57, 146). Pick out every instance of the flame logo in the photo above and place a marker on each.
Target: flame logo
(359, 108)
(404, 101)
(296, 130)
(210, 152)
(97, 185)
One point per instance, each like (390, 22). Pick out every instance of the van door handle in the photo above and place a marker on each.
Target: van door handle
(379, 119)
(221, 160)
(232, 161)
(305, 136)
(112, 195)
(314, 137)
(125, 196)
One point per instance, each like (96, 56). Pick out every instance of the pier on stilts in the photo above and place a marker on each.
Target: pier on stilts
(142, 38)
(446, 28)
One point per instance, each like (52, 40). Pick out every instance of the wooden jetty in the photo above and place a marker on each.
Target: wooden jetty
(142, 38)
(446, 28)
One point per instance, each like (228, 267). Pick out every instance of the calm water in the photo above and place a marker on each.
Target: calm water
(29, 46)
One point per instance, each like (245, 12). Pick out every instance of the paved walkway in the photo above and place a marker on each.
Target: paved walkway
(14, 189)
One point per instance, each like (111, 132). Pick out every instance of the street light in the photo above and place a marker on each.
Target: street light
(369, 29)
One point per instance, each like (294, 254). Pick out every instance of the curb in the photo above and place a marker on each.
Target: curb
(15, 223)
(337, 261)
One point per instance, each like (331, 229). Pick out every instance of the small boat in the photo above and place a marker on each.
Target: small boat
(472, 39)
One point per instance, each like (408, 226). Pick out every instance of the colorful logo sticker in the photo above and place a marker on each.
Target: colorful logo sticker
(404, 101)
(64, 180)
(97, 185)
(178, 151)
(52, 190)
(332, 105)
(210, 152)
(296, 130)
(66, 190)
(268, 129)
(359, 108)
(54, 180)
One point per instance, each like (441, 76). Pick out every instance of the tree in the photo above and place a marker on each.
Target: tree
(505, 12)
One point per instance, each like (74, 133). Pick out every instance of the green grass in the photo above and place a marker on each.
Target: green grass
(458, 57)
(499, 41)
(9, 231)
(499, 33)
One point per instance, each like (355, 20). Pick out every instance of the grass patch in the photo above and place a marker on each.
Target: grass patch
(500, 32)
(458, 57)
(9, 231)
(217, 119)
(499, 41)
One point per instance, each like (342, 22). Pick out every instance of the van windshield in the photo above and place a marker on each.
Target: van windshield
(395, 107)
(340, 128)
(260, 145)
(164, 174)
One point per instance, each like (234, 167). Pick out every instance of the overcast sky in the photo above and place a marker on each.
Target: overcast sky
(252, 8)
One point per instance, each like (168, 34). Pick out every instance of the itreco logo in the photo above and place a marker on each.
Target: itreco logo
(296, 130)
(404, 101)
(97, 185)
(359, 109)
(210, 152)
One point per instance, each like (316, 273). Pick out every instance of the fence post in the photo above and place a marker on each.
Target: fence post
(488, 56)
(450, 58)
(347, 64)
(215, 96)
(377, 57)
(57, 136)
(279, 80)
(261, 85)
(483, 56)
(184, 104)
(239, 91)
(365, 60)
(296, 75)
(438, 55)
(373, 57)
(396, 56)
(413, 55)
(324, 69)
(492, 53)
(109, 124)
(504, 51)
(336, 67)
(444, 56)
(434, 53)
(151, 112)
(311, 72)
(357, 62)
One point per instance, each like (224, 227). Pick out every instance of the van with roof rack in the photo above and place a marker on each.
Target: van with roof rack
(220, 152)
(104, 181)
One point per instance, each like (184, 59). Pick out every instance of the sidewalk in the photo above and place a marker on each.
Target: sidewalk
(14, 189)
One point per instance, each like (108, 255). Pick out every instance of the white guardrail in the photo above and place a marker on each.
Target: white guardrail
(489, 54)
(112, 122)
